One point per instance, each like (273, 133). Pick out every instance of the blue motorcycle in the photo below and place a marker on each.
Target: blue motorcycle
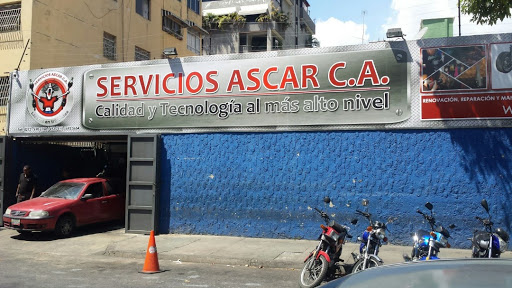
(371, 240)
(488, 243)
(427, 244)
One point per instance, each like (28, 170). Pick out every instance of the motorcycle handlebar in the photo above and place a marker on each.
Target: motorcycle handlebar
(486, 222)
(365, 214)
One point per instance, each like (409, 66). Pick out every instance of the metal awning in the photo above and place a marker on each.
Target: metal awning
(175, 17)
(253, 9)
(199, 29)
(219, 11)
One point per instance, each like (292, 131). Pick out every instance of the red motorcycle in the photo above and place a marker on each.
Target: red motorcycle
(325, 260)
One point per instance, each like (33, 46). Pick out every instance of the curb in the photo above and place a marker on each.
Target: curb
(208, 259)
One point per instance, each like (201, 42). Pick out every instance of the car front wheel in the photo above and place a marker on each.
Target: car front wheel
(64, 227)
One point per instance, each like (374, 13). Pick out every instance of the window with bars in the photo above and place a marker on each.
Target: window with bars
(172, 27)
(109, 46)
(4, 90)
(193, 5)
(193, 42)
(142, 8)
(141, 54)
(10, 17)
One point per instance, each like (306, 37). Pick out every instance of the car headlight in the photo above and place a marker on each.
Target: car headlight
(38, 214)
(8, 211)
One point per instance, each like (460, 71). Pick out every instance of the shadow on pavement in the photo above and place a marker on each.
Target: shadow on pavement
(78, 232)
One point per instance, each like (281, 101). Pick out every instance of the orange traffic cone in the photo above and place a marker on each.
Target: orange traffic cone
(151, 263)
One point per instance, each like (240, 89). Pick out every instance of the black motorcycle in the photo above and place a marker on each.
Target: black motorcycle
(488, 243)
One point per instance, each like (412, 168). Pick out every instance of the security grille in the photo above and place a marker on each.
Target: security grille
(10, 20)
(4, 90)
(172, 27)
(109, 46)
(193, 42)
(141, 54)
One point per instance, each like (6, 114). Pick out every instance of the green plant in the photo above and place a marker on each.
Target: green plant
(210, 21)
(275, 15)
(232, 18)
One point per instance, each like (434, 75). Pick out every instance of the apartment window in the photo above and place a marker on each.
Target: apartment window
(109, 46)
(141, 54)
(194, 42)
(172, 27)
(193, 5)
(4, 90)
(10, 17)
(142, 8)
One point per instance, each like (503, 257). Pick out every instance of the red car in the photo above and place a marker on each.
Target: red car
(66, 205)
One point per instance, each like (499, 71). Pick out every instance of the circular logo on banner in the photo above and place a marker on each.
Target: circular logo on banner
(50, 101)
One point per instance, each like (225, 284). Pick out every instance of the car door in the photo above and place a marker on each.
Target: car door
(115, 201)
(90, 210)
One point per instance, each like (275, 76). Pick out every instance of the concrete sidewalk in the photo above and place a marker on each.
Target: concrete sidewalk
(258, 252)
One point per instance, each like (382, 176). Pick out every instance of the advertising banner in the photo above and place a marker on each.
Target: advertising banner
(324, 89)
(456, 82)
(422, 84)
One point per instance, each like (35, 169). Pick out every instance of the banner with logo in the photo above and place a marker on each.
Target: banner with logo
(348, 88)
(375, 86)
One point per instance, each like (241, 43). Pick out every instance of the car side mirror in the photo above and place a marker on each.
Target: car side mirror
(485, 205)
(365, 202)
(86, 197)
(429, 206)
(354, 221)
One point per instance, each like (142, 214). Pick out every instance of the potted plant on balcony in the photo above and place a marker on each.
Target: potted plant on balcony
(234, 19)
(282, 19)
(210, 22)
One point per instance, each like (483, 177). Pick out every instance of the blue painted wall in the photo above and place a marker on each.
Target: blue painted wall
(263, 184)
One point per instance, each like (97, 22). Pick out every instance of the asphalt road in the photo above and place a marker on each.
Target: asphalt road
(44, 270)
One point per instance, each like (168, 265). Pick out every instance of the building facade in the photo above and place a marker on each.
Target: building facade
(55, 33)
(256, 25)
(437, 28)
(248, 144)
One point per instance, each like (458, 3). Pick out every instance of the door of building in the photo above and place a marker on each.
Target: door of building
(142, 184)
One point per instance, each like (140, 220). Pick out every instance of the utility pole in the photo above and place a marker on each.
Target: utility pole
(362, 37)
(459, 17)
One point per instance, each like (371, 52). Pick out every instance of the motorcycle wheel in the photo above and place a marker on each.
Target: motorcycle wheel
(370, 262)
(315, 275)
(504, 62)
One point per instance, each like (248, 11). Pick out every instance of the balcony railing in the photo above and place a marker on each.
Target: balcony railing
(306, 19)
(10, 20)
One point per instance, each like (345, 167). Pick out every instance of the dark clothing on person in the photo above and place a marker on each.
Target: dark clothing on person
(26, 183)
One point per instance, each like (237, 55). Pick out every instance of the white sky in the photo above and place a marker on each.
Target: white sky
(344, 26)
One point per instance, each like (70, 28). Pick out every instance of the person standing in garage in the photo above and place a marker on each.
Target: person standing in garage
(26, 185)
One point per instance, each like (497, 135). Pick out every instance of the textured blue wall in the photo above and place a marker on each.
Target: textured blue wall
(263, 184)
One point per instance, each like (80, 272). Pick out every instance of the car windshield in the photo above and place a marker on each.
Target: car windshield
(64, 190)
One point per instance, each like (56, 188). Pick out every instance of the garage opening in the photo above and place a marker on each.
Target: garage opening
(57, 159)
